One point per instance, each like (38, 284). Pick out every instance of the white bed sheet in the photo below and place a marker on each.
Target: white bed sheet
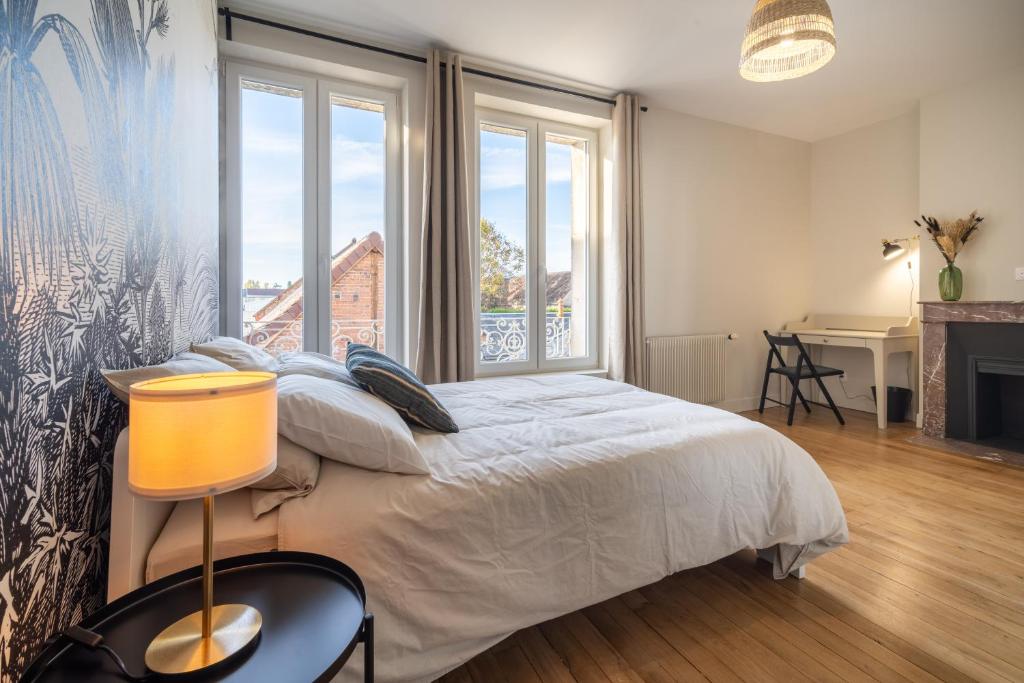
(180, 543)
(557, 493)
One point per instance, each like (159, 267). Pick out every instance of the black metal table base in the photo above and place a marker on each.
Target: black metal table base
(366, 638)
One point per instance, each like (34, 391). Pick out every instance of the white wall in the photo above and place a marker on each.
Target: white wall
(972, 157)
(963, 149)
(863, 188)
(726, 236)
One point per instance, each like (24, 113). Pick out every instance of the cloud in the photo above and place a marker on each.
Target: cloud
(502, 168)
(559, 163)
(559, 174)
(353, 160)
(269, 141)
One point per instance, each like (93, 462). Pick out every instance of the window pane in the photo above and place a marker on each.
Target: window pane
(565, 246)
(504, 324)
(357, 224)
(271, 151)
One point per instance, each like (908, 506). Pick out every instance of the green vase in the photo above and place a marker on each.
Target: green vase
(951, 283)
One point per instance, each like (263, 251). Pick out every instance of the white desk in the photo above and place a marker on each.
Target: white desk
(882, 335)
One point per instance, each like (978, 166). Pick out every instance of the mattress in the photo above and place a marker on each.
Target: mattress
(180, 544)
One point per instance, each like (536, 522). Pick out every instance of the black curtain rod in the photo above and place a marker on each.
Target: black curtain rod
(229, 15)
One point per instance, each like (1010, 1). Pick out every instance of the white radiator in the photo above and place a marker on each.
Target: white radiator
(691, 368)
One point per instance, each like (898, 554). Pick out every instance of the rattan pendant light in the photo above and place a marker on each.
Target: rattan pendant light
(787, 39)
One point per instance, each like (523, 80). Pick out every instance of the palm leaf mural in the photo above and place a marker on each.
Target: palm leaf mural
(96, 271)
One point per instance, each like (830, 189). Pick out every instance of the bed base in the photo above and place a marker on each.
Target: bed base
(766, 555)
(134, 525)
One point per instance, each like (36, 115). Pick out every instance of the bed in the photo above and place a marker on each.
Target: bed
(557, 493)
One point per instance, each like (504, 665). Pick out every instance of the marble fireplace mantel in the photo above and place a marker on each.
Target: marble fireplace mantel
(934, 317)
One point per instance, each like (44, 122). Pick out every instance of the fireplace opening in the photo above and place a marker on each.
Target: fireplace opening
(985, 384)
(995, 402)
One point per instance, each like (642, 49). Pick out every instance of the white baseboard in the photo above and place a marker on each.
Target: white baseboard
(739, 405)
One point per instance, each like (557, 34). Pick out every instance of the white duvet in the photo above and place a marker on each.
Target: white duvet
(559, 492)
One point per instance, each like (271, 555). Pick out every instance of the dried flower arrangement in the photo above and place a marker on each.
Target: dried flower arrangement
(950, 236)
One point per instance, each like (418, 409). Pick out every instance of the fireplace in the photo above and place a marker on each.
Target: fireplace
(973, 376)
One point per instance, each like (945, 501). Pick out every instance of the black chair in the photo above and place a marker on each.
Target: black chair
(804, 369)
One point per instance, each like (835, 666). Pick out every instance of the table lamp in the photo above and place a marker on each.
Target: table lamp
(195, 436)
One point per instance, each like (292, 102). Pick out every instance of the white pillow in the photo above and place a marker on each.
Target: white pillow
(314, 365)
(237, 354)
(297, 471)
(185, 363)
(346, 424)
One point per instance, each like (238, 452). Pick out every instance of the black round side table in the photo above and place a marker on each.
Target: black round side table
(313, 608)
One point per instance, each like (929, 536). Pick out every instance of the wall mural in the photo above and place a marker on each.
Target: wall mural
(108, 258)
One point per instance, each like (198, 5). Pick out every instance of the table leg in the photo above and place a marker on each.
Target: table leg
(914, 386)
(881, 386)
(368, 648)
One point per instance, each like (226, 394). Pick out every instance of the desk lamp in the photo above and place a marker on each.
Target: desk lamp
(194, 436)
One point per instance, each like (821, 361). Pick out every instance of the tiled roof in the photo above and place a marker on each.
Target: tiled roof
(288, 304)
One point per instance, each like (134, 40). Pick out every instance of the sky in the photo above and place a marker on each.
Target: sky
(503, 198)
(272, 185)
(272, 182)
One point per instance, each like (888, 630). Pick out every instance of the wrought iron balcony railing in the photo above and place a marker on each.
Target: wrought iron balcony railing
(503, 336)
(280, 337)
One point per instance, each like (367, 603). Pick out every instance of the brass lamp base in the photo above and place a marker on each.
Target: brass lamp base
(181, 648)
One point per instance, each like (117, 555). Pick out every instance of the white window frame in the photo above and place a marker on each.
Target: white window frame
(316, 182)
(536, 274)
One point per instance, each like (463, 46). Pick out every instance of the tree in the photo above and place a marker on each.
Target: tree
(500, 260)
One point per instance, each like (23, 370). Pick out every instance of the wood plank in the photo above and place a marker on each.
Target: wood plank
(484, 668)
(962, 647)
(580, 663)
(866, 653)
(646, 651)
(740, 638)
(460, 675)
(777, 634)
(612, 663)
(709, 652)
(545, 661)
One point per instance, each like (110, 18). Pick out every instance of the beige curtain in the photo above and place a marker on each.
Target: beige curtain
(626, 249)
(445, 341)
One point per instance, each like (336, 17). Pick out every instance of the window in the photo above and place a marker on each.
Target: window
(537, 245)
(311, 258)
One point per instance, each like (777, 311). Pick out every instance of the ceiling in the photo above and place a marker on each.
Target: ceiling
(683, 54)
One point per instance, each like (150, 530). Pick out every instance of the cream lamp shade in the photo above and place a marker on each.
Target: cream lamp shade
(787, 39)
(192, 436)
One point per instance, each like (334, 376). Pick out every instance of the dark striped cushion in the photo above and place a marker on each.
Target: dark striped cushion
(399, 387)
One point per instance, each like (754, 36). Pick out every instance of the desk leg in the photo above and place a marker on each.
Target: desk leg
(368, 648)
(881, 387)
(914, 381)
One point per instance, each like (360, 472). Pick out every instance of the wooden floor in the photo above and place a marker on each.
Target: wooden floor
(931, 587)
